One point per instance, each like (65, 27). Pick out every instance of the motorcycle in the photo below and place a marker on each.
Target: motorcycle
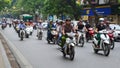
(90, 34)
(80, 38)
(27, 32)
(54, 35)
(104, 43)
(112, 43)
(68, 48)
(4, 25)
(22, 34)
(39, 33)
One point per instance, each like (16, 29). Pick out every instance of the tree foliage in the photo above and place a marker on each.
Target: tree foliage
(51, 7)
(5, 3)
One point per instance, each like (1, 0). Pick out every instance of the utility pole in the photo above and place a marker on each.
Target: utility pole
(94, 11)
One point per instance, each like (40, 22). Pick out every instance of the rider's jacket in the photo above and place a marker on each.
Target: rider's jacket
(68, 28)
(100, 27)
(39, 25)
(50, 26)
(21, 26)
(80, 26)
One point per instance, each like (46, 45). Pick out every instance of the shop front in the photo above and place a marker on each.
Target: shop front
(104, 12)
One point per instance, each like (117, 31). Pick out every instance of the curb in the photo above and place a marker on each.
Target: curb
(19, 57)
(4, 63)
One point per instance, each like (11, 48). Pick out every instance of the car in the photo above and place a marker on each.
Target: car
(116, 32)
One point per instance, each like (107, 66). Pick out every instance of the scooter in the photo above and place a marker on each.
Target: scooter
(104, 43)
(90, 35)
(68, 48)
(39, 33)
(27, 32)
(112, 43)
(54, 35)
(22, 34)
(4, 25)
(80, 38)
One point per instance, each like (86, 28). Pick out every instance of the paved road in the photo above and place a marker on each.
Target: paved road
(42, 55)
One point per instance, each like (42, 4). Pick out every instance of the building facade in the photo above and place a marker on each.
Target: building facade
(103, 8)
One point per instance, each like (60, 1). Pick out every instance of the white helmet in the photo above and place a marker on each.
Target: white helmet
(101, 19)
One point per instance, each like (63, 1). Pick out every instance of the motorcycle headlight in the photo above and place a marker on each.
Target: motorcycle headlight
(67, 40)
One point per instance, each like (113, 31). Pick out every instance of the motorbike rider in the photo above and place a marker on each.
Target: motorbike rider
(21, 25)
(49, 28)
(99, 27)
(67, 28)
(87, 26)
(39, 26)
(4, 21)
(80, 27)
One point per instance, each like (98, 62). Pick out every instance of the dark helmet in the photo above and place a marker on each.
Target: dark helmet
(21, 21)
(68, 19)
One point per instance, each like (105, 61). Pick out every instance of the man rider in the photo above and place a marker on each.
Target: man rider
(21, 25)
(99, 27)
(67, 28)
(49, 28)
(87, 26)
(80, 25)
(39, 26)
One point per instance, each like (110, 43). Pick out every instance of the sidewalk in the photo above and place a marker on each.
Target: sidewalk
(4, 63)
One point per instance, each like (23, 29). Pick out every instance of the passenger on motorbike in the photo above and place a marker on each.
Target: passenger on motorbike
(67, 28)
(21, 25)
(59, 30)
(99, 27)
(49, 28)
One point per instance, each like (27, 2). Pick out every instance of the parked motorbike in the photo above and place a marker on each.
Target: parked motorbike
(90, 34)
(39, 33)
(54, 35)
(104, 43)
(22, 34)
(68, 48)
(112, 43)
(80, 38)
(4, 25)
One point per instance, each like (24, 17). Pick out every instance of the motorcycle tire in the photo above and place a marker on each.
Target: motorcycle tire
(82, 42)
(106, 49)
(27, 36)
(72, 54)
(48, 42)
(96, 51)
(54, 41)
(40, 36)
(112, 45)
(21, 38)
(64, 55)
(2, 27)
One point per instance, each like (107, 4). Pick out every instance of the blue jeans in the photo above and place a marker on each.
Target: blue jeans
(49, 36)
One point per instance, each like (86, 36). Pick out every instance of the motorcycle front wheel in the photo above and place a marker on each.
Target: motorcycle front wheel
(112, 44)
(106, 49)
(72, 54)
(21, 38)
